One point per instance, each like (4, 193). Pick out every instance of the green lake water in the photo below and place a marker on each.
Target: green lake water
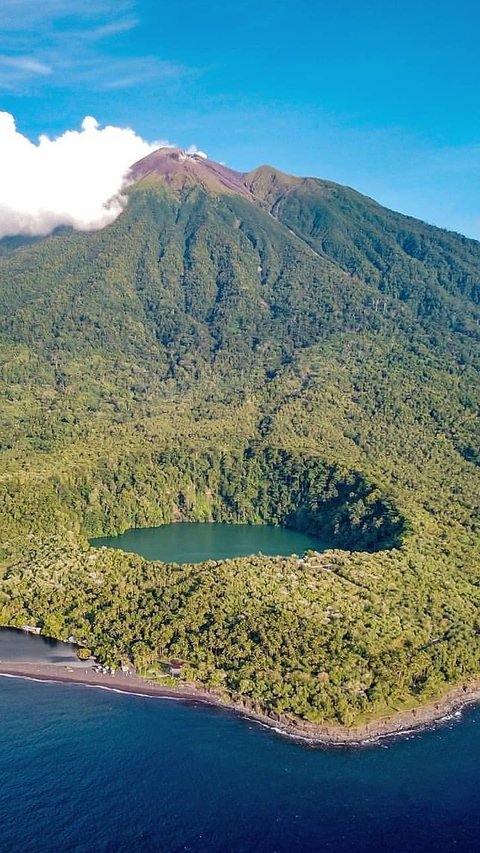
(194, 543)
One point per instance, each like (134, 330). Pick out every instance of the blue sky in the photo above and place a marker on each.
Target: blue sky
(382, 96)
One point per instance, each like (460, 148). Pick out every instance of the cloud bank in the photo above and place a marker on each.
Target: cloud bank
(75, 179)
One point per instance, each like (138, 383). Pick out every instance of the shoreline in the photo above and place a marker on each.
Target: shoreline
(393, 725)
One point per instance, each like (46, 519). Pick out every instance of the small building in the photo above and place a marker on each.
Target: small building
(176, 667)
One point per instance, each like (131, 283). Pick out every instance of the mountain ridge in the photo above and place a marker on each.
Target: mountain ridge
(339, 226)
(167, 162)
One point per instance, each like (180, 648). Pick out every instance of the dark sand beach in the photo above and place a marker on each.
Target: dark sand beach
(393, 725)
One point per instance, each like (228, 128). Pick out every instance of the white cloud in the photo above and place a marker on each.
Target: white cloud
(68, 44)
(76, 179)
(113, 28)
(17, 70)
(105, 74)
(194, 152)
(25, 63)
(16, 14)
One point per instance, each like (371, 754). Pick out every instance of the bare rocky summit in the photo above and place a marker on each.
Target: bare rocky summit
(178, 167)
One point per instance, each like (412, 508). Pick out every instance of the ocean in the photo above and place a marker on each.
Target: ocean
(84, 769)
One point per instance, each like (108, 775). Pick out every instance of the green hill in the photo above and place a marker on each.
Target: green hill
(249, 348)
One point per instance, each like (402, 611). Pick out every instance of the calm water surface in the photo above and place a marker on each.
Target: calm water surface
(16, 645)
(89, 770)
(193, 543)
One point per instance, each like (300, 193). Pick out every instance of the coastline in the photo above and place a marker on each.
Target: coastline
(327, 735)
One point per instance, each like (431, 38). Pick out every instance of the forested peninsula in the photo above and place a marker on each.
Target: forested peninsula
(249, 348)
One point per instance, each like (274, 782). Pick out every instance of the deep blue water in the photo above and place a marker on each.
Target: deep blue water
(194, 543)
(87, 770)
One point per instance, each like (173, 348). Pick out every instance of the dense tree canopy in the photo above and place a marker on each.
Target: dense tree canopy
(307, 358)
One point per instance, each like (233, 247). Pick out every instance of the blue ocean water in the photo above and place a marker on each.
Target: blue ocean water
(83, 769)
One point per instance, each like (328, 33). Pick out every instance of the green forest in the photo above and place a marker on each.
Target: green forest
(304, 358)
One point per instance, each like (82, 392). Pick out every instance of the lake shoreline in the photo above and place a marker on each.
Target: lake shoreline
(326, 735)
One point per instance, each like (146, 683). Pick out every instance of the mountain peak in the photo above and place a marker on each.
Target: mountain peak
(178, 167)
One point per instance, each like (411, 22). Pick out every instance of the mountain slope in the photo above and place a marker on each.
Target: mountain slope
(396, 252)
(259, 348)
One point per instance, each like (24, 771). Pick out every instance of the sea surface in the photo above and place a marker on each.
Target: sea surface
(84, 769)
(194, 543)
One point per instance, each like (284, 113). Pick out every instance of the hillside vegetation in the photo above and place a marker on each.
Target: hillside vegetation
(301, 357)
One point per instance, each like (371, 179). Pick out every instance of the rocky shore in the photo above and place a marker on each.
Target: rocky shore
(389, 726)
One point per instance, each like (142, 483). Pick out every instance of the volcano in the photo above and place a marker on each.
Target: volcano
(256, 348)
